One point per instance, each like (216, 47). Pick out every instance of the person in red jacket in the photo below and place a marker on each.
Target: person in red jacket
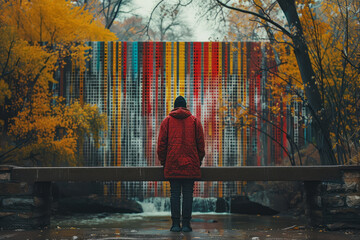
(181, 149)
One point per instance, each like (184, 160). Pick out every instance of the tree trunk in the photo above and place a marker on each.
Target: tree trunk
(308, 76)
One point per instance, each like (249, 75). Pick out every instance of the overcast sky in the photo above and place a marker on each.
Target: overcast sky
(201, 30)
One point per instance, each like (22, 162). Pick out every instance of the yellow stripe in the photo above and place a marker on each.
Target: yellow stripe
(174, 73)
(244, 100)
(166, 189)
(220, 189)
(105, 190)
(118, 189)
(239, 71)
(168, 77)
(244, 71)
(231, 58)
(182, 68)
(240, 98)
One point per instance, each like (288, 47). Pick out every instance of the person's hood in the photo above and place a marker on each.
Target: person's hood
(180, 113)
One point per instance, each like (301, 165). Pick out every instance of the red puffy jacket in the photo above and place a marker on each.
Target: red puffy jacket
(181, 145)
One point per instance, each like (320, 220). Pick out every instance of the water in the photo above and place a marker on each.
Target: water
(155, 208)
(155, 221)
(159, 205)
(205, 226)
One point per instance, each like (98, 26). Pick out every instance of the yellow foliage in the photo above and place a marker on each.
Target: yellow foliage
(333, 37)
(53, 21)
(331, 31)
(57, 23)
(35, 37)
(4, 92)
(56, 129)
(241, 26)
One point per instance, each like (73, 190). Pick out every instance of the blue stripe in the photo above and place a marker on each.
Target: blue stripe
(135, 63)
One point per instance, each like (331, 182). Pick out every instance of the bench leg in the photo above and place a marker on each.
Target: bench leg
(313, 211)
(42, 204)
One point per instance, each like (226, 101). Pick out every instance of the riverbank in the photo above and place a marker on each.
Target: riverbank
(156, 226)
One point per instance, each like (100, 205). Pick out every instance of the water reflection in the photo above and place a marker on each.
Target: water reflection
(205, 226)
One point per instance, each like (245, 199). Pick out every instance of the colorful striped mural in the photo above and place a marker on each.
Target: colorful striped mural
(136, 83)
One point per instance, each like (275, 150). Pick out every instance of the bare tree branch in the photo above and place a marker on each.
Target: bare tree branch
(286, 32)
(147, 26)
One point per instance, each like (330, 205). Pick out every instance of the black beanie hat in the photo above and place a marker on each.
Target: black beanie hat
(180, 102)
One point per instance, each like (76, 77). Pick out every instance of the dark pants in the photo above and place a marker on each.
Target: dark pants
(187, 186)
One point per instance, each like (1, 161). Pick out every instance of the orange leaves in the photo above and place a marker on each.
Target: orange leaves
(242, 27)
(58, 25)
(54, 21)
(4, 92)
(28, 69)
(65, 148)
(332, 35)
(236, 114)
(78, 57)
(35, 37)
(275, 109)
(43, 124)
(331, 38)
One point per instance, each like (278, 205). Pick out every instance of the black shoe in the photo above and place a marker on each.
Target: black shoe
(175, 229)
(186, 226)
(187, 229)
(175, 226)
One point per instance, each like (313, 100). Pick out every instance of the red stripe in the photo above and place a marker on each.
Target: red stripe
(124, 54)
(197, 77)
(215, 80)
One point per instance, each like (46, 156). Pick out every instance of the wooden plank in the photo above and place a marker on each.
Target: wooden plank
(88, 174)
(6, 168)
(271, 173)
(248, 173)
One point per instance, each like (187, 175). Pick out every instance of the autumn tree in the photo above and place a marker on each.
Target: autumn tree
(315, 47)
(243, 27)
(332, 34)
(36, 127)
